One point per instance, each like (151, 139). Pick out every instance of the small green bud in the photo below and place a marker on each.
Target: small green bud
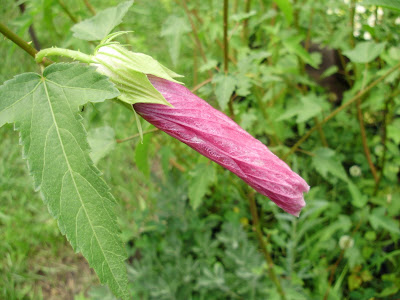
(128, 71)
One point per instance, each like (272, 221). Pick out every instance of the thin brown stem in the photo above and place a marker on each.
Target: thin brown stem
(195, 35)
(67, 11)
(90, 7)
(226, 42)
(321, 133)
(340, 108)
(386, 119)
(200, 85)
(365, 142)
(135, 136)
(352, 16)
(246, 21)
(263, 246)
(194, 30)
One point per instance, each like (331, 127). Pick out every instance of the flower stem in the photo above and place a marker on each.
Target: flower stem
(76, 55)
(264, 249)
(20, 42)
(340, 108)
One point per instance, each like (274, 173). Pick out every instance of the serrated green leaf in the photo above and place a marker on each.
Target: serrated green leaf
(45, 111)
(101, 141)
(392, 4)
(308, 109)
(97, 27)
(378, 219)
(325, 163)
(365, 52)
(202, 177)
(225, 86)
(293, 45)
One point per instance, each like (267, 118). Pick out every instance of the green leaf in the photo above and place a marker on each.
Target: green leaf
(45, 111)
(365, 52)
(142, 155)
(293, 45)
(101, 141)
(225, 86)
(378, 219)
(308, 109)
(392, 4)
(99, 26)
(325, 162)
(286, 7)
(173, 29)
(202, 177)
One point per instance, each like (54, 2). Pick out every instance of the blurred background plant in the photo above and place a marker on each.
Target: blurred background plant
(316, 81)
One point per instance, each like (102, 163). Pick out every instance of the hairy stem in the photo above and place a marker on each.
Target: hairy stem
(263, 246)
(76, 55)
(340, 108)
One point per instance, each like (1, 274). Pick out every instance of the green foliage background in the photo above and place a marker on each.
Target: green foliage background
(190, 236)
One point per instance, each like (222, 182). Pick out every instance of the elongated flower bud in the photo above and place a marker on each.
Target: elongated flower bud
(214, 135)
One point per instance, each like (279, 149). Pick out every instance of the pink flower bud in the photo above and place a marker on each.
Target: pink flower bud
(214, 135)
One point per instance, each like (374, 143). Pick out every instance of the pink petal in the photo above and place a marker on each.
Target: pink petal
(214, 135)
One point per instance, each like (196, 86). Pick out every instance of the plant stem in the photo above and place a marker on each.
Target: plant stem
(339, 109)
(365, 142)
(20, 42)
(76, 55)
(90, 7)
(226, 42)
(135, 136)
(201, 84)
(264, 249)
(386, 119)
(194, 30)
(66, 10)
(246, 21)
(226, 53)
(352, 16)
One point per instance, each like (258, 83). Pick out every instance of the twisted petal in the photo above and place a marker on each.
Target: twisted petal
(214, 135)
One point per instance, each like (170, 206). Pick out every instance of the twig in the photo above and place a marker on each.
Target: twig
(66, 10)
(246, 21)
(135, 136)
(21, 43)
(264, 249)
(90, 7)
(365, 142)
(226, 42)
(200, 85)
(321, 132)
(340, 108)
(386, 115)
(352, 16)
(194, 30)
(226, 54)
